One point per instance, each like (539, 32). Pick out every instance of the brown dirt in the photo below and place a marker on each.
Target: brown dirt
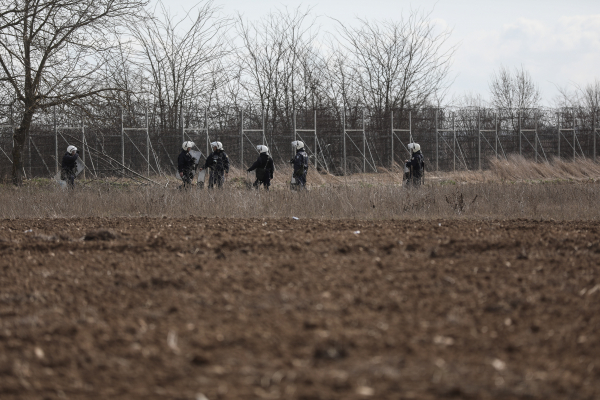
(283, 309)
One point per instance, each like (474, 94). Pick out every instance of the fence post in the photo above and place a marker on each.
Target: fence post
(55, 141)
(392, 139)
(536, 140)
(437, 147)
(29, 155)
(83, 145)
(558, 125)
(181, 125)
(453, 143)
(148, 143)
(574, 136)
(242, 139)
(520, 144)
(364, 143)
(316, 142)
(344, 133)
(122, 141)
(496, 127)
(479, 136)
(207, 137)
(410, 127)
(594, 131)
(293, 133)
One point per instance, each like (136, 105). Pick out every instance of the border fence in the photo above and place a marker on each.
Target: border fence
(113, 140)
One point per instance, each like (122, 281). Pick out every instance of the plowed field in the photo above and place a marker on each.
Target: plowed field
(298, 309)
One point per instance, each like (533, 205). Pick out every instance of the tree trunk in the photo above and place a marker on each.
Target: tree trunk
(20, 138)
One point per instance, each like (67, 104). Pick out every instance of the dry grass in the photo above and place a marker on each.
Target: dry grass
(518, 169)
(561, 201)
(562, 191)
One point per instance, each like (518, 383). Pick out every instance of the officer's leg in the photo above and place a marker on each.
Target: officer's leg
(186, 179)
(302, 181)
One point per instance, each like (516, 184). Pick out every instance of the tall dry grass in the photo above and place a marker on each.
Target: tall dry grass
(560, 201)
(562, 191)
(516, 168)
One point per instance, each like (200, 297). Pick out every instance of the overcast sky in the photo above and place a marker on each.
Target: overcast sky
(557, 41)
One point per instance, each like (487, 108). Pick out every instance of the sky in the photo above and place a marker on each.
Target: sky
(557, 41)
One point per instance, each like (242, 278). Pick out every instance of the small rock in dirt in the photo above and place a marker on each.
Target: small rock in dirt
(499, 365)
(330, 353)
(308, 324)
(593, 290)
(443, 340)
(46, 238)
(39, 353)
(365, 391)
(102, 234)
(199, 360)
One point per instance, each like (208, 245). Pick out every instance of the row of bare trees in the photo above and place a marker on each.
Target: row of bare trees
(87, 53)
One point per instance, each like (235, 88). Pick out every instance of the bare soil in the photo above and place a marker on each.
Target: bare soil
(164, 308)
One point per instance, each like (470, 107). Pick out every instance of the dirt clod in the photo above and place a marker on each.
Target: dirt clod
(101, 234)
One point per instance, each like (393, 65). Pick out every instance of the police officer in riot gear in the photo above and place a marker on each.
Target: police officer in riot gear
(186, 164)
(300, 163)
(414, 168)
(69, 166)
(264, 168)
(218, 163)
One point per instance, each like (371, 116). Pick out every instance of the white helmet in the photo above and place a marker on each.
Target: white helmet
(414, 147)
(71, 149)
(297, 144)
(262, 148)
(187, 145)
(218, 145)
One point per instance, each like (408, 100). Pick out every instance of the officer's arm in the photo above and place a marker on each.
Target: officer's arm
(226, 163)
(255, 165)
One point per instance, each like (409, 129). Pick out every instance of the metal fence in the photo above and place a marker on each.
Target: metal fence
(339, 141)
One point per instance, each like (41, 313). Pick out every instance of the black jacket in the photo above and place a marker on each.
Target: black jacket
(185, 162)
(418, 163)
(300, 162)
(69, 162)
(265, 162)
(218, 161)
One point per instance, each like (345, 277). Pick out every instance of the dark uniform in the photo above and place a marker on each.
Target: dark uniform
(69, 168)
(218, 163)
(300, 162)
(186, 164)
(264, 170)
(416, 166)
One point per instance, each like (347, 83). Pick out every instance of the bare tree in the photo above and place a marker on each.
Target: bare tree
(398, 63)
(276, 56)
(180, 60)
(514, 90)
(55, 53)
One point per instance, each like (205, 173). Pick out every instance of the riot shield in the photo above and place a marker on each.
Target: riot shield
(79, 167)
(196, 155)
(201, 176)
